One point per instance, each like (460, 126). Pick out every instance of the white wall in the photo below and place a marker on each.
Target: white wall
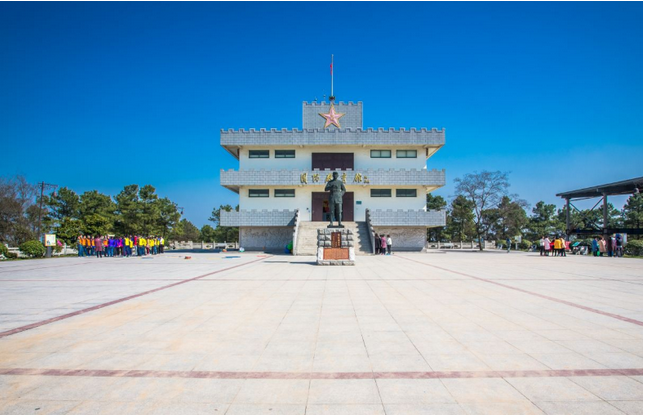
(362, 159)
(302, 200)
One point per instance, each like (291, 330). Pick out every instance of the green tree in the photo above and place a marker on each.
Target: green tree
(64, 204)
(542, 221)
(168, 216)
(208, 233)
(96, 212)
(484, 190)
(150, 210)
(96, 224)
(186, 231)
(225, 234)
(633, 211)
(462, 225)
(436, 203)
(68, 230)
(128, 211)
(510, 218)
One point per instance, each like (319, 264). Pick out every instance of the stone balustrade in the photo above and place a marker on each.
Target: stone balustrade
(407, 218)
(258, 218)
(233, 179)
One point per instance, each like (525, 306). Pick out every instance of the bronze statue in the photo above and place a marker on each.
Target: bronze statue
(336, 190)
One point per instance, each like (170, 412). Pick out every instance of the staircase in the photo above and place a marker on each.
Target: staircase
(307, 243)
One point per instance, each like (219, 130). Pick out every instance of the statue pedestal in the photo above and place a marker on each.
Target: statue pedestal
(335, 247)
(336, 226)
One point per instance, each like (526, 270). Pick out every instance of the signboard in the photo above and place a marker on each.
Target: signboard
(50, 240)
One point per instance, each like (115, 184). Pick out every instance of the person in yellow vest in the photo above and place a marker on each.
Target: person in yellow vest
(142, 246)
(148, 245)
(156, 245)
(161, 242)
(557, 246)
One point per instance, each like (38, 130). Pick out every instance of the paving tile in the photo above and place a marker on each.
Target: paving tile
(173, 408)
(341, 363)
(345, 409)
(524, 407)
(578, 408)
(400, 391)
(482, 390)
(266, 409)
(424, 409)
(391, 362)
(465, 361)
(273, 392)
(343, 392)
(37, 407)
(551, 389)
(616, 360)
(628, 407)
(568, 361)
(611, 388)
(205, 391)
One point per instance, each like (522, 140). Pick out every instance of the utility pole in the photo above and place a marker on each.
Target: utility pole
(43, 186)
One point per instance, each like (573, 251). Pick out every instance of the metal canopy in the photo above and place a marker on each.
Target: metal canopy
(616, 188)
(629, 186)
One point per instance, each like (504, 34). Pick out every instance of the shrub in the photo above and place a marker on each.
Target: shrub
(32, 248)
(11, 255)
(525, 245)
(634, 248)
(4, 250)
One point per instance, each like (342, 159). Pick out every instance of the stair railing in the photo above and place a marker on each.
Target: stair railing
(370, 229)
(294, 243)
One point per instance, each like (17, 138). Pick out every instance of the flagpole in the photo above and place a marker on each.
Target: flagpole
(332, 78)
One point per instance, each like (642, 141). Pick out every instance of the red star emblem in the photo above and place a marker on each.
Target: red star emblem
(332, 117)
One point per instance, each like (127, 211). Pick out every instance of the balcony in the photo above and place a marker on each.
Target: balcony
(407, 218)
(258, 218)
(431, 179)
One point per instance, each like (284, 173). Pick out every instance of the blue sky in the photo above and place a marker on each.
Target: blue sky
(102, 95)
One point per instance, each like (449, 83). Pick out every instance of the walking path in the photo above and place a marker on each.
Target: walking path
(443, 332)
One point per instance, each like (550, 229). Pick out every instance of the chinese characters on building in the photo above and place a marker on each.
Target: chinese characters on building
(315, 178)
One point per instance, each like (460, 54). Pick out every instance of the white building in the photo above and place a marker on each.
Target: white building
(283, 174)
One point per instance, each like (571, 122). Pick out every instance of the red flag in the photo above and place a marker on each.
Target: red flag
(331, 69)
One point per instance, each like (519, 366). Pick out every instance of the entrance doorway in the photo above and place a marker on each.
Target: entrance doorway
(320, 206)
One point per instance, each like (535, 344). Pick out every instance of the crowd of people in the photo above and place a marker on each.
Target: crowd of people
(382, 244)
(112, 246)
(557, 246)
(610, 246)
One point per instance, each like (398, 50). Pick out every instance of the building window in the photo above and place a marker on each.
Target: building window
(382, 154)
(406, 154)
(285, 193)
(285, 154)
(258, 154)
(406, 193)
(258, 193)
(380, 193)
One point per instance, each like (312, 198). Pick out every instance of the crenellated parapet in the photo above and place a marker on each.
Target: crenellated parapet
(431, 179)
(353, 117)
(232, 140)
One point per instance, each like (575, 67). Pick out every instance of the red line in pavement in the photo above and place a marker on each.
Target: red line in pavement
(103, 305)
(564, 302)
(321, 375)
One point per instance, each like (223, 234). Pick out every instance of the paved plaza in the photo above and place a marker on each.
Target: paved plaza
(249, 333)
